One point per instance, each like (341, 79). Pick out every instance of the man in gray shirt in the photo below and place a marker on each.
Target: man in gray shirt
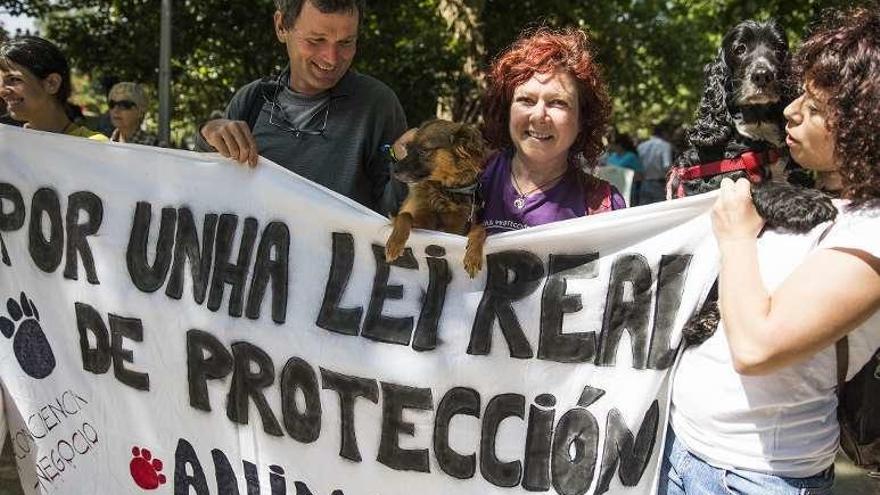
(319, 118)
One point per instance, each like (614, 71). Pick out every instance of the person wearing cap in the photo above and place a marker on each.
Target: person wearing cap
(128, 105)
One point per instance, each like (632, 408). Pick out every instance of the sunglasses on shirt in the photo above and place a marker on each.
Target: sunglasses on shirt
(276, 113)
(124, 104)
(280, 122)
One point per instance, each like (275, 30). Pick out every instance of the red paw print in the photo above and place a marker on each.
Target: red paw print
(145, 471)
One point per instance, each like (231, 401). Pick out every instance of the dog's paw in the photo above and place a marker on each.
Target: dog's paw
(473, 254)
(393, 249)
(396, 242)
(703, 324)
(473, 263)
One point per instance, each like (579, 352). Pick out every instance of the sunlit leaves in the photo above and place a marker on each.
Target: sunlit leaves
(653, 51)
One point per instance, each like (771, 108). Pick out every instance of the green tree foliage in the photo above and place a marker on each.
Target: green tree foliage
(652, 51)
(407, 45)
(218, 46)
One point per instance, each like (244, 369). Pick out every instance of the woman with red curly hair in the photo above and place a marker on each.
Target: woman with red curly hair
(545, 111)
(754, 407)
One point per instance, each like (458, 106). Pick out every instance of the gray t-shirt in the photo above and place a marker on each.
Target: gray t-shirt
(344, 155)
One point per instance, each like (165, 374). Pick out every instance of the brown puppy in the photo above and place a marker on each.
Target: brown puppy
(442, 167)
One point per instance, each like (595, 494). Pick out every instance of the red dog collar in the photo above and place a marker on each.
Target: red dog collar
(750, 161)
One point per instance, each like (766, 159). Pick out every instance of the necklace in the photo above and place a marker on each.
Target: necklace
(27, 125)
(520, 201)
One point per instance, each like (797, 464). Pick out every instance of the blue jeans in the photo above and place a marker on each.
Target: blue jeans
(683, 473)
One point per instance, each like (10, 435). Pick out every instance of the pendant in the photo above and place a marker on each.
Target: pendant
(519, 202)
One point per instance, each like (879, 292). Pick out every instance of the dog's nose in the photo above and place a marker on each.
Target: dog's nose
(762, 76)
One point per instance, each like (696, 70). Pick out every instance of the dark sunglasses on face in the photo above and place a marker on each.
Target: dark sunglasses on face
(124, 104)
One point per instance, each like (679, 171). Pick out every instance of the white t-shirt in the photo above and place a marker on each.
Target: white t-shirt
(784, 423)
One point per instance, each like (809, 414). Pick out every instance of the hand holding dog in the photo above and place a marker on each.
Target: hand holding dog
(232, 139)
(734, 217)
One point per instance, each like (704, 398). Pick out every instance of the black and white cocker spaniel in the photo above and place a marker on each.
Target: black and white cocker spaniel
(740, 132)
(740, 129)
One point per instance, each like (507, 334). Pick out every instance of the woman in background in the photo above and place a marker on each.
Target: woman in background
(622, 153)
(128, 105)
(35, 84)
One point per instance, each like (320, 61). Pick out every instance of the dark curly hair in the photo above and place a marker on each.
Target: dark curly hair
(541, 51)
(841, 59)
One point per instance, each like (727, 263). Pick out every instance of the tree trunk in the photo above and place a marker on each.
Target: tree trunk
(461, 99)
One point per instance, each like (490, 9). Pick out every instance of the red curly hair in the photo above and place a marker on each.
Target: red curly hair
(842, 60)
(540, 52)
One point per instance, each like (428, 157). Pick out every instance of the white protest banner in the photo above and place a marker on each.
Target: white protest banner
(173, 323)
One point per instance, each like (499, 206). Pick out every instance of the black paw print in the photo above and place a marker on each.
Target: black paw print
(30, 345)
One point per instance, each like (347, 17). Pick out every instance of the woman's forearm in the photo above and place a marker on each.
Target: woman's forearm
(745, 305)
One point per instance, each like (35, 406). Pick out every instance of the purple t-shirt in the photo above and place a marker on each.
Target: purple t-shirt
(562, 201)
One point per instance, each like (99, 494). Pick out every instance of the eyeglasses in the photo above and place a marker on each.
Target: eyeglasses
(124, 104)
(281, 123)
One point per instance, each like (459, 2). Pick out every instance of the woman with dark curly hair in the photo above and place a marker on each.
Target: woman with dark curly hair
(546, 110)
(754, 407)
(35, 84)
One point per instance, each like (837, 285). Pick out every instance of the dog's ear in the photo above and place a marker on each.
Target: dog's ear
(714, 125)
(468, 142)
